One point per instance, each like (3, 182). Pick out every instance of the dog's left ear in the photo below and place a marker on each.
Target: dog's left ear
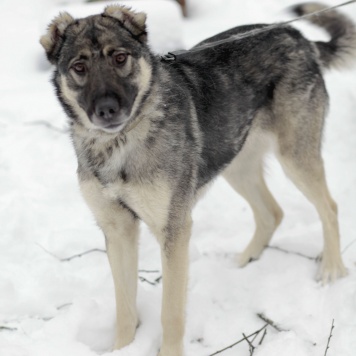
(53, 39)
(133, 21)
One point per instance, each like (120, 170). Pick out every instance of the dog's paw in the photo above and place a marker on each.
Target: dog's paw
(169, 354)
(126, 336)
(330, 270)
(171, 350)
(242, 259)
(121, 343)
(252, 253)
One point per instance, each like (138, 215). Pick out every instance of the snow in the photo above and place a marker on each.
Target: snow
(57, 307)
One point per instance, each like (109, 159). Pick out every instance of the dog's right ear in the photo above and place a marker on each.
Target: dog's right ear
(133, 21)
(53, 39)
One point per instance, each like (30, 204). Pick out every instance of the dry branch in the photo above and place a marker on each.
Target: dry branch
(240, 341)
(293, 253)
(154, 283)
(330, 336)
(48, 126)
(254, 335)
(67, 259)
(348, 246)
(271, 322)
(251, 347)
(82, 254)
(5, 328)
(263, 337)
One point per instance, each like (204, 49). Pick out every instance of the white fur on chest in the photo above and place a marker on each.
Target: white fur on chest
(150, 201)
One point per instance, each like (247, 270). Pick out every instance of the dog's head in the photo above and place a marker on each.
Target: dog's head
(102, 66)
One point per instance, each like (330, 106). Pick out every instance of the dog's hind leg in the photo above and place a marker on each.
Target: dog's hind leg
(121, 230)
(310, 179)
(245, 175)
(298, 150)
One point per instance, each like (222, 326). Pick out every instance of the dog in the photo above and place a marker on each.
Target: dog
(150, 136)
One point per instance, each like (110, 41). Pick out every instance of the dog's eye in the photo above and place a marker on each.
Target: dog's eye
(79, 68)
(120, 58)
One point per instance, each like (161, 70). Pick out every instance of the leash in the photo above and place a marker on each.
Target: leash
(172, 56)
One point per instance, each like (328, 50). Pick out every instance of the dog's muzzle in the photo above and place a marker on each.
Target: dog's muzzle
(107, 114)
(106, 109)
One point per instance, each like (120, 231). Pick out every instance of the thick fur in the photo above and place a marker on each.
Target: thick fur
(150, 136)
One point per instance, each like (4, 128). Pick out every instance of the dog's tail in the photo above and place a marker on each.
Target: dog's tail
(340, 51)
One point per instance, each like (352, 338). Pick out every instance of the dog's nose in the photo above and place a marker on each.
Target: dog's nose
(106, 108)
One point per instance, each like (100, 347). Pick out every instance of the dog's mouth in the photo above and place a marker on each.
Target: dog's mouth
(113, 128)
(110, 127)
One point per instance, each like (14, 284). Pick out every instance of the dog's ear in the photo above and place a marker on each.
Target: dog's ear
(53, 39)
(133, 21)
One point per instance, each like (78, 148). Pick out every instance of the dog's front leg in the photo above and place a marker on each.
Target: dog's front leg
(120, 228)
(175, 260)
(121, 245)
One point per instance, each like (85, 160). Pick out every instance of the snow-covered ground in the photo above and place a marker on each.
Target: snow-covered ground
(55, 305)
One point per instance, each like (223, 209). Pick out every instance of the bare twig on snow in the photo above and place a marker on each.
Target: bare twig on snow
(47, 125)
(82, 254)
(348, 246)
(263, 337)
(154, 283)
(330, 336)
(293, 253)
(251, 347)
(271, 322)
(5, 328)
(240, 341)
(67, 259)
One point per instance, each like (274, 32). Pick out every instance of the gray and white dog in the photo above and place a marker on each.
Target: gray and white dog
(151, 135)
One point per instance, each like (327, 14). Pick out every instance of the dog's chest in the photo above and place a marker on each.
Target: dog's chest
(105, 159)
(125, 175)
(149, 201)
